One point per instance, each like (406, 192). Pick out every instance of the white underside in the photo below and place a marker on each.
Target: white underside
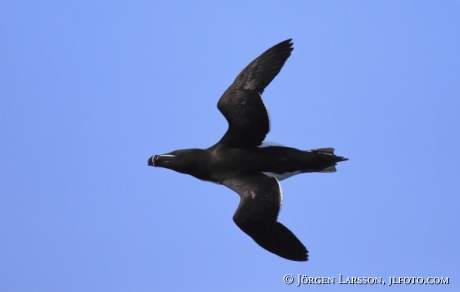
(281, 193)
(269, 144)
(279, 176)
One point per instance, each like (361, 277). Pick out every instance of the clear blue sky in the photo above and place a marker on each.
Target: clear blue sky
(90, 89)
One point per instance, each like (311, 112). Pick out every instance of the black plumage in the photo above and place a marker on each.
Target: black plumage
(251, 168)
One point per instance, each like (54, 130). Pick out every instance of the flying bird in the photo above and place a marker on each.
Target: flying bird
(243, 162)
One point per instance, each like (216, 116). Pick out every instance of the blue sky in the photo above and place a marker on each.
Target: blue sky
(90, 89)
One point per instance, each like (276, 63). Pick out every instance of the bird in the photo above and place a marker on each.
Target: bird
(250, 166)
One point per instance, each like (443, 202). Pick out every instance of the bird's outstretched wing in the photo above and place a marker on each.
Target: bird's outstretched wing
(242, 104)
(257, 215)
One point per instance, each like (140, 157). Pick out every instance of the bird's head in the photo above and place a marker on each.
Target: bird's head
(184, 161)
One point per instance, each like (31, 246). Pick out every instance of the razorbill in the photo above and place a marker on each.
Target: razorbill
(252, 168)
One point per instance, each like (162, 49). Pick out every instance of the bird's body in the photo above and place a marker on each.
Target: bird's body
(217, 163)
(242, 162)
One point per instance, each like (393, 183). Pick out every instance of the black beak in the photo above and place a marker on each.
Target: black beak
(161, 160)
(151, 161)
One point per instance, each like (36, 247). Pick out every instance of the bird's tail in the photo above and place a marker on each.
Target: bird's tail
(329, 158)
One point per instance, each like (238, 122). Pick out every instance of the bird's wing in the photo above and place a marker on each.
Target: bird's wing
(242, 104)
(257, 215)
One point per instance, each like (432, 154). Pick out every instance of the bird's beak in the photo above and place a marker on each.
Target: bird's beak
(158, 160)
(151, 161)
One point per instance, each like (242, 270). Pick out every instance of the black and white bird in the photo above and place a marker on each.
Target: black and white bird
(244, 163)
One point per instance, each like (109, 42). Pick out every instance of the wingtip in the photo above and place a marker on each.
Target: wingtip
(290, 44)
(287, 44)
(280, 241)
(289, 41)
(303, 257)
